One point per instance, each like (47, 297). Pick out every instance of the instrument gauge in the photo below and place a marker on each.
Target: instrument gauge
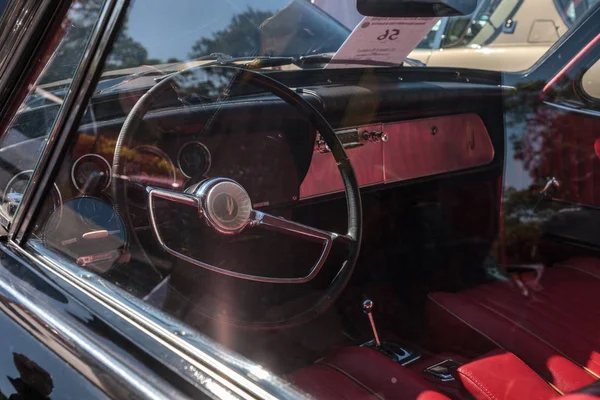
(194, 159)
(15, 190)
(90, 173)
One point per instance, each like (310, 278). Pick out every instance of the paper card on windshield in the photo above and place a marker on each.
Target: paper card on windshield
(386, 41)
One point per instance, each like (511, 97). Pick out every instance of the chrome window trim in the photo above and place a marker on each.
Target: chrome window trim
(74, 346)
(193, 356)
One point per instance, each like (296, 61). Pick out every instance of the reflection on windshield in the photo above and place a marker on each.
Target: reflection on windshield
(238, 28)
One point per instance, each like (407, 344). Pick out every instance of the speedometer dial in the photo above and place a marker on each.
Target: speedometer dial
(194, 159)
(151, 166)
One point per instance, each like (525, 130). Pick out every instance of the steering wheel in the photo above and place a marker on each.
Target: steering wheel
(226, 206)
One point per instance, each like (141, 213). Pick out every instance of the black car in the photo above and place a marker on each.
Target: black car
(200, 199)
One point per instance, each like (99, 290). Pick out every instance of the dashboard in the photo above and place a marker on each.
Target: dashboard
(422, 131)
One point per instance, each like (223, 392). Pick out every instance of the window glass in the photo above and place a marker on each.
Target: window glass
(24, 139)
(429, 40)
(523, 29)
(191, 185)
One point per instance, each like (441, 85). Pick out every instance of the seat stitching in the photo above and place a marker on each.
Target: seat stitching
(498, 344)
(362, 385)
(541, 340)
(543, 309)
(479, 385)
(577, 269)
(465, 322)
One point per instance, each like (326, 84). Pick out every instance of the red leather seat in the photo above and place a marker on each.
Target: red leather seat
(555, 330)
(358, 373)
(361, 373)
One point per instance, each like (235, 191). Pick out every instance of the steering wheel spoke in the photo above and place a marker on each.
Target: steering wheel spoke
(271, 222)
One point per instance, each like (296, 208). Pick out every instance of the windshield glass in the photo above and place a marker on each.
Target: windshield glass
(252, 200)
(239, 28)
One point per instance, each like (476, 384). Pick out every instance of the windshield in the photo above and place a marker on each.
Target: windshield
(238, 28)
(304, 223)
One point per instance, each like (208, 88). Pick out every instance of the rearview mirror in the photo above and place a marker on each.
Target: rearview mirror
(415, 8)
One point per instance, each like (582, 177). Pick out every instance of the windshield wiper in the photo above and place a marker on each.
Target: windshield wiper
(250, 62)
(325, 58)
(257, 62)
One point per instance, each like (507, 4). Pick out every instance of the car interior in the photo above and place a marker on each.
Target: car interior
(413, 233)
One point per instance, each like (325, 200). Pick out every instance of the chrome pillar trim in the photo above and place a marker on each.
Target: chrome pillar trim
(201, 200)
(75, 103)
(189, 353)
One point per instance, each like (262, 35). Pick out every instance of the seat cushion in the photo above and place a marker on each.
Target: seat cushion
(362, 373)
(501, 375)
(555, 330)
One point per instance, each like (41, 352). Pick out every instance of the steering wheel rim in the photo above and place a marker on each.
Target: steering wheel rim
(310, 113)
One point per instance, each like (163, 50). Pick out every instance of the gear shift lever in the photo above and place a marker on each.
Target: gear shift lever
(368, 309)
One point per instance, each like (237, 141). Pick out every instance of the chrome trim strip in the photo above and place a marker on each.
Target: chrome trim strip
(591, 113)
(75, 347)
(190, 353)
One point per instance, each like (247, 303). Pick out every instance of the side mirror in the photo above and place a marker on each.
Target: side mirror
(415, 8)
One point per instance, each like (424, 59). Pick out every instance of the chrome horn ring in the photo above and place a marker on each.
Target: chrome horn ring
(226, 207)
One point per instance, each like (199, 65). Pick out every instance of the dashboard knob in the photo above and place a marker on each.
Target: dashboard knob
(321, 146)
(375, 136)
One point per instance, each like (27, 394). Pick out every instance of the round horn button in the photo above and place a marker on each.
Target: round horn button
(227, 206)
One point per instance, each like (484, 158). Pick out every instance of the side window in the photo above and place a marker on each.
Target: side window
(25, 137)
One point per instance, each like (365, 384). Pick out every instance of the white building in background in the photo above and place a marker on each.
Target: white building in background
(342, 10)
